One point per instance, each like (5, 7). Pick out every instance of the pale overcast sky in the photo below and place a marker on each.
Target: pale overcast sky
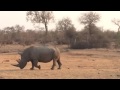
(11, 18)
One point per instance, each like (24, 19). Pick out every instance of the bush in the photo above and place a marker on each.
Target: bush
(97, 39)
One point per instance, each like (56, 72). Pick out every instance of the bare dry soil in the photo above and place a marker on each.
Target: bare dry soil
(77, 64)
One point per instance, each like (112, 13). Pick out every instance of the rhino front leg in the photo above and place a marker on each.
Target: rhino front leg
(32, 68)
(35, 63)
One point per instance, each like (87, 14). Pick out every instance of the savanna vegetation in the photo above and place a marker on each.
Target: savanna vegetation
(93, 60)
(91, 36)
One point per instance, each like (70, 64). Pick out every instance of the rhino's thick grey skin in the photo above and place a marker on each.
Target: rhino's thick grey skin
(39, 54)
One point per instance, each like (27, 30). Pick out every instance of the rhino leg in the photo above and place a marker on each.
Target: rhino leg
(32, 68)
(54, 64)
(39, 67)
(59, 63)
(35, 63)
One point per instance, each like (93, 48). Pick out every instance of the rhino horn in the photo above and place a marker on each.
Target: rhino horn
(17, 65)
(18, 60)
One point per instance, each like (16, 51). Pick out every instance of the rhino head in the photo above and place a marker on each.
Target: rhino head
(21, 64)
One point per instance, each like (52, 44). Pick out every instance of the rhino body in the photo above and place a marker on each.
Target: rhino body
(39, 54)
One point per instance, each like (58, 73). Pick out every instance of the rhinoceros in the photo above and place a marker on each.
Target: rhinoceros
(36, 54)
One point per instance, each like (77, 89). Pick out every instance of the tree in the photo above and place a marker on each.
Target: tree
(39, 17)
(67, 28)
(116, 22)
(89, 19)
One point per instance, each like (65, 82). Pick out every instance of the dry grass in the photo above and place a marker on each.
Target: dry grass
(77, 64)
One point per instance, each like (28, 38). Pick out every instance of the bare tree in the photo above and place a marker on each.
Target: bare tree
(116, 22)
(39, 17)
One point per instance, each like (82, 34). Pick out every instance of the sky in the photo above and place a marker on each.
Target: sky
(12, 18)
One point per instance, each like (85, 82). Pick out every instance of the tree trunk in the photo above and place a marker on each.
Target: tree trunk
(90, 39)
(46, 28)
(118, 28)
(46, 33)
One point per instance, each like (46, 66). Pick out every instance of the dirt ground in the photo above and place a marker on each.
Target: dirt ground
(77, 64)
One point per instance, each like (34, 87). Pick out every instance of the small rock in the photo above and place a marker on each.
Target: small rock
(118, 75)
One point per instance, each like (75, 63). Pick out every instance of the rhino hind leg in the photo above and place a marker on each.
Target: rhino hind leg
(39, 67)
(59, 63)
(54, 64)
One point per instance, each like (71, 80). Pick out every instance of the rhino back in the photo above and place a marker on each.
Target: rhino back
(42, 54)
